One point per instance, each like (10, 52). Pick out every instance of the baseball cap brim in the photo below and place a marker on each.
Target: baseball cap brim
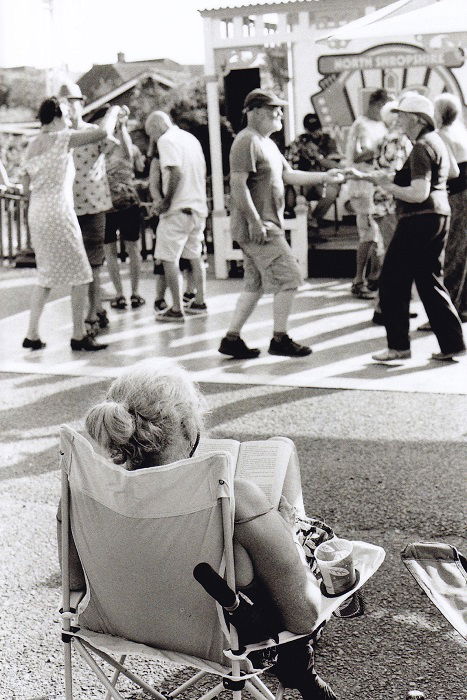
(263, 98)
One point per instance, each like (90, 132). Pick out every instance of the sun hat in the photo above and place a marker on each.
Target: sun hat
(262, 98)
(417, 104)
(388, 109)
(71, 91)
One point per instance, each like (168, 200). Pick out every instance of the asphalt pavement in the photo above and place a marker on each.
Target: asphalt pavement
(382, 466)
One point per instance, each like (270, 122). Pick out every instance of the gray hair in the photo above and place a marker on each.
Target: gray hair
(448, 108)
(148, 411)
(156, 118)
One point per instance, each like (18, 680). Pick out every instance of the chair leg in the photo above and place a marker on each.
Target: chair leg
(97, 670)
(115, 676)
(191, 681)
(256, 692)
(256, 680)
(217, 690)
(68, 673)
(126, 672)
(280, 692)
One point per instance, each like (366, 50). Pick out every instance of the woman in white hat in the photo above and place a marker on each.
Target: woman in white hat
(415, 252)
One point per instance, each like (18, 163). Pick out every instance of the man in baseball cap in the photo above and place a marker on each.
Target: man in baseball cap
(258, 172)
(262, 98)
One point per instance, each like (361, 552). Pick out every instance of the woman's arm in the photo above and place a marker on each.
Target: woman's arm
(415, 193)
(26, 185)
(267, 539)
(4, 179)
(81, 137)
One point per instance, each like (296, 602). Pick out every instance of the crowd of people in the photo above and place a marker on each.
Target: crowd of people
(404, 170)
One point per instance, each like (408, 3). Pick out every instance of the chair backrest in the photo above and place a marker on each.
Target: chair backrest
(139, 535)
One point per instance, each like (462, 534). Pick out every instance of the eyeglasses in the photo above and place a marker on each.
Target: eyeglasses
(273, 110)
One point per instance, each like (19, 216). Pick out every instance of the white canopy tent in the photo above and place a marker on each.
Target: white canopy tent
(409, 17)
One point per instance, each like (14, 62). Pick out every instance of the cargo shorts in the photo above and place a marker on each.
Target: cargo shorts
(270, 267)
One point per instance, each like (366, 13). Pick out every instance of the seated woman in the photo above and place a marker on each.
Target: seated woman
(153, 416)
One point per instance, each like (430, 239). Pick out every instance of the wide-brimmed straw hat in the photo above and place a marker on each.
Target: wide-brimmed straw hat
(417, 104)
(71, 91)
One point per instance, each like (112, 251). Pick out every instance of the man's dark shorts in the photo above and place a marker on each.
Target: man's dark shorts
(126, 221)
(270, 267)
(93, 229)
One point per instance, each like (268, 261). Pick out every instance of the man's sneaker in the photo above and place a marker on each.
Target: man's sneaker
(237, 348)
(440, 356)
(159, 305)
(359, 290)
(372, 285)
(390, 354)
(171, 315)
(195, 309)
(288, 347)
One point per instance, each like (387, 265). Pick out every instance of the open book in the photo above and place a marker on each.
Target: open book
(264, 462)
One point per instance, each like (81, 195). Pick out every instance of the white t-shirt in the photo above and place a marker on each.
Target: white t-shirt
(180, 148)
(366, 130)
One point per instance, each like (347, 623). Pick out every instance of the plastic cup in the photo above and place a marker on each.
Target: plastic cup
(335, 562)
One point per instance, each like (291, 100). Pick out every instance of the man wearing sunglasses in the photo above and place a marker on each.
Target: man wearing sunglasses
(258, 173)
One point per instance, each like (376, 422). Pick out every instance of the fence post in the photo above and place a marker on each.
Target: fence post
(14, 229)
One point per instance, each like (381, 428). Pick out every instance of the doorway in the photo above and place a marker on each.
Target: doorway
(237, 85)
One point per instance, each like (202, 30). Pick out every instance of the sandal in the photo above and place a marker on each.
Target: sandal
(92, 327)
(358, 289)
(103, 319)
(118, 303)
(137, 301)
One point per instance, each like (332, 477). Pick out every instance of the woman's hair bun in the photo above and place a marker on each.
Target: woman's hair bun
(110, 424)
(49, 109)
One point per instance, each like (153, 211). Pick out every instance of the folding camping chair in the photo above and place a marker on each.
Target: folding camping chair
(139, 535)
(441, 571)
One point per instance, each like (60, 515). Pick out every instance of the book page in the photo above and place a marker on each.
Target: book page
(209, 445)
(265, 463)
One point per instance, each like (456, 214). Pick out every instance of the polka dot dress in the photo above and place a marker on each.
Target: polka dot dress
(55, 234)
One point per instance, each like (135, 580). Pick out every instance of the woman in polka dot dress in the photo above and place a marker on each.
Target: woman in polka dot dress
(55, 234)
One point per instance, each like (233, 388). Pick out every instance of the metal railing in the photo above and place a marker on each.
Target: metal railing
(14, 230)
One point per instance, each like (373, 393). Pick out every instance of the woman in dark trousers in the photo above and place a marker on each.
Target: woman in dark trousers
(416, 250)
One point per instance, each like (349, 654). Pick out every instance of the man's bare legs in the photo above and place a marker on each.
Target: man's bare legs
(94, 294)
(132, 248)
(113, 267)
(173, 281)
(246, 304)
(363, 254)
(38, 300)
(198, 270)
(282, 306)
(281, 344)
